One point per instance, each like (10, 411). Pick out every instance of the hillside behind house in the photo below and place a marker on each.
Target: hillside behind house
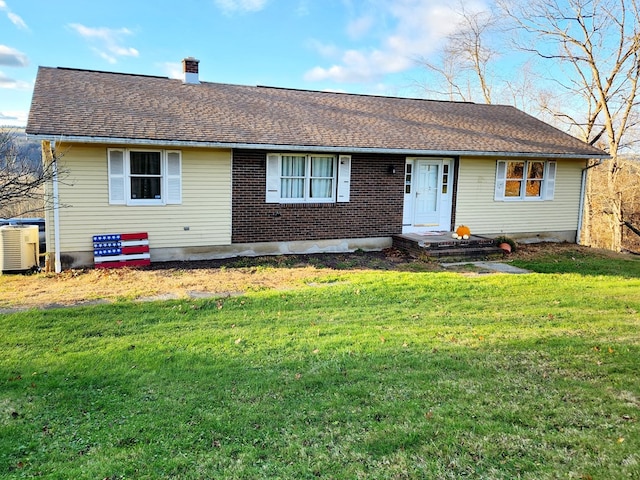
(27, 148)
(28, 153)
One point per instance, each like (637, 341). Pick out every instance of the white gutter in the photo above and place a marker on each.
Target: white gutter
(309, 148)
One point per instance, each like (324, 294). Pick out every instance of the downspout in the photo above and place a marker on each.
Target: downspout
(56, 217)
(50, 158)
(583, 186)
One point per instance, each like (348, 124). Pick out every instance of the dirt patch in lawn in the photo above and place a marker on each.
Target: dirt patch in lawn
(201, 279)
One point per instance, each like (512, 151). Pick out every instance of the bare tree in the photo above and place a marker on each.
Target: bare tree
(22, 182)
(464, 63)
(596, 44)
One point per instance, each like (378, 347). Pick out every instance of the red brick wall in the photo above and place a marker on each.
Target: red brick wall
(375, 209)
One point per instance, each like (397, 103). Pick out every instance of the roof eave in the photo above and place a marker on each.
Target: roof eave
(308, 148)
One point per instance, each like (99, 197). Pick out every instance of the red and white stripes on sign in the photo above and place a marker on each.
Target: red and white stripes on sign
(121, 250)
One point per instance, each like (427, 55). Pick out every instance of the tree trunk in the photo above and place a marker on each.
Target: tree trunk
(615, 202)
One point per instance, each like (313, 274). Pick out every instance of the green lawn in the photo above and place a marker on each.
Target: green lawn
(366, 375)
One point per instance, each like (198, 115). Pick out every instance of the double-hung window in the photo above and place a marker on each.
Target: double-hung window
(525, 180)
(307, 178)
(144, 177)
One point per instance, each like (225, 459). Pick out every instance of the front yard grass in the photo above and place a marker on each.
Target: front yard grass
(353, 374)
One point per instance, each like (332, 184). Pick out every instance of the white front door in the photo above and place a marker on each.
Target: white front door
(427, 202)
(427, 193)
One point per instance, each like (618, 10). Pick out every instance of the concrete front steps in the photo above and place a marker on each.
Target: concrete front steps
(440, 245)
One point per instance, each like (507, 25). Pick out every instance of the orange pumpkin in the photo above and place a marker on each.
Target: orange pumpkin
(463, 230)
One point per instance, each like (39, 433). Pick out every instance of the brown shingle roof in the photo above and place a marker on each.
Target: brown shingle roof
(81, 103)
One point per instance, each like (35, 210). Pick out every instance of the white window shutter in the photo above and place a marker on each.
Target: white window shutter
(117, 177)
(550, 180)
(273, 178)
(174, 177)
(501, 180)
(344, 178)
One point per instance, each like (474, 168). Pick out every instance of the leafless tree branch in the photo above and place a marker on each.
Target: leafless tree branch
(22, 183)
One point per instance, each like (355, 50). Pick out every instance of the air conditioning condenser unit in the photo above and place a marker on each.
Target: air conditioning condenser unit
(19, 248)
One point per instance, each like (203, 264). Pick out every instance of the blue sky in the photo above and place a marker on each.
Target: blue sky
(356, 46)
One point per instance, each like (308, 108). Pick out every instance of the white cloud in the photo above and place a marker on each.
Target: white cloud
(12, 83)
(14, 118)
(13, 17)
(360, 26)
(324, 49)
(240, 6)
(10, 57)
(17, 20)
(4, 117)
(107, 41)
(417, 28)
(172, 69)
(302, 10)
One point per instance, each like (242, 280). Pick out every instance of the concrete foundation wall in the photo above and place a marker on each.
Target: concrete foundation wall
(538, 237)
(85, 259)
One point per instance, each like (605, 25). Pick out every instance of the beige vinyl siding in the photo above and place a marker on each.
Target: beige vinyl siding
(477, 208)
(205, 207)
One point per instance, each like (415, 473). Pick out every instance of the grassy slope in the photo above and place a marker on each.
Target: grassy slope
(378, 375)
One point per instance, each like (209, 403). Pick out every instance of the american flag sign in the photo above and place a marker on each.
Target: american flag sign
(116, 250)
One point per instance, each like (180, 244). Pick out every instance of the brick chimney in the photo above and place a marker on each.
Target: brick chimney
(190, 70)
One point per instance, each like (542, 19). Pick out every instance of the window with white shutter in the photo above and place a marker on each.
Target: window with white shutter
(501, 178)
(273, 178)
(344, 178)
(307, 178)
(174, 177)
(117, 177)
(144, 177)
(550, 181)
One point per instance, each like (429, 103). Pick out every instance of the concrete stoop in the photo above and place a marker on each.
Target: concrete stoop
(441, 245)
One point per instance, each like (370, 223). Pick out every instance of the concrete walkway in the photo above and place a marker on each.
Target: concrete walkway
(497, 267)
